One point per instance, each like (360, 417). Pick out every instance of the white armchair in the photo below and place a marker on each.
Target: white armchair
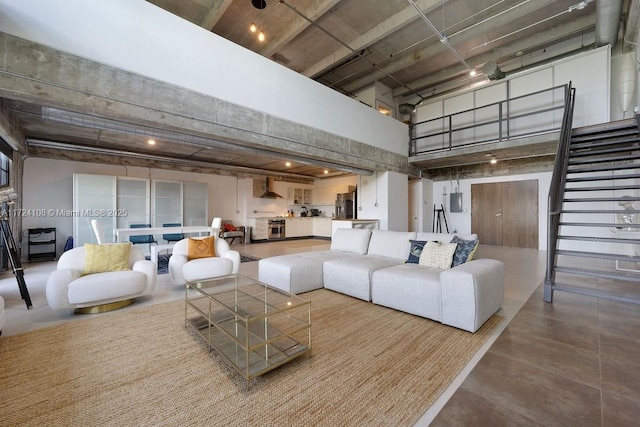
(68, 288)
(182, 270)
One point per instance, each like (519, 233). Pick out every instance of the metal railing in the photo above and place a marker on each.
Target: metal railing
(535, 113)
(556, 189)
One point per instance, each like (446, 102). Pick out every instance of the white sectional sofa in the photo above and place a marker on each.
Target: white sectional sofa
(371, 265)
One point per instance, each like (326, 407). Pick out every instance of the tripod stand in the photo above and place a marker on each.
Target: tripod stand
(12, 255)
(438, 213)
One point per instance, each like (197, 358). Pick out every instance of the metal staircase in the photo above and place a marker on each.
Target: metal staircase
(592, 247)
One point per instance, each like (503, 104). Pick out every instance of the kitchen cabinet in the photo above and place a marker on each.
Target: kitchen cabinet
(259, 228)
(322, 227)
(299, 227)
(299, 196)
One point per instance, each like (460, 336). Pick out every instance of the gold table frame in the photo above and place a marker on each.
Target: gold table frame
(255, 327)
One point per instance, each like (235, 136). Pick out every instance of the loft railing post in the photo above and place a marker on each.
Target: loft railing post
(500, 121)
(450, 131)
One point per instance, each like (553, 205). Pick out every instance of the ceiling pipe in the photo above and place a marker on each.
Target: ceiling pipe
(608, 14)
(443, 39)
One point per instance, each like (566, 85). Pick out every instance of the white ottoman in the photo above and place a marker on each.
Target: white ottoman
(291, 273)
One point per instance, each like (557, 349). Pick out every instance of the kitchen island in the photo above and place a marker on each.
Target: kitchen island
(372, 224)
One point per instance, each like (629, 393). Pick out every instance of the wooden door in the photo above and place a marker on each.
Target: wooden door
(486, 212)
(520, 214)
(506, 213)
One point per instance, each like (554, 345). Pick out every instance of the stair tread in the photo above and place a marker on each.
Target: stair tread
(600, 211)
(624, 140)
(604, 188)
(583, 161)
(598, 273)
(609, 132)
(603, 168)
(600, 255)
(599, 239)
(603, 199)
(599, 224)
(602, 178)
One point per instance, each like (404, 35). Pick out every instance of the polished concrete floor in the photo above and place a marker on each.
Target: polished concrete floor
(573, 362)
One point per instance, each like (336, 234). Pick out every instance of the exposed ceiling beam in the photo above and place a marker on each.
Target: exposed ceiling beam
(313, 11)
(40, 148)
(10, 129)
(380, 31)
(214, 14)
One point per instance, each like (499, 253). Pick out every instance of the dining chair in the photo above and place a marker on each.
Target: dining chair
(172, 237)
(142, 239)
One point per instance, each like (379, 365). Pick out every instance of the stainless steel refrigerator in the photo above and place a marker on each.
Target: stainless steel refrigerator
(346, 205)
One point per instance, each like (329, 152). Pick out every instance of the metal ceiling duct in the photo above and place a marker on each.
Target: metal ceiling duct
(492, 71)
(608, 15)
(270, 194)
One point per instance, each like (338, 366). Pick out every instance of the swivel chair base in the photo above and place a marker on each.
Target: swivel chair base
(102, 308)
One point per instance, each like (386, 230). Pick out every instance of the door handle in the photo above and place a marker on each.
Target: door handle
(499, 214)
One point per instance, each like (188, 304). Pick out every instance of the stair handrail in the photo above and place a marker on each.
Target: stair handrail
(558, 181)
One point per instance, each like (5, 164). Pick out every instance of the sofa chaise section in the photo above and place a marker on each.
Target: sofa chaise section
(303, 272)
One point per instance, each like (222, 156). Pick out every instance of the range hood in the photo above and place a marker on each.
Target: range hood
(270, 194)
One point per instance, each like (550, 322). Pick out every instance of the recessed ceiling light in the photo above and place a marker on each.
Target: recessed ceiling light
(326, 171)
(472, 73)
(287, 164)
(493, 161)
(151, 142)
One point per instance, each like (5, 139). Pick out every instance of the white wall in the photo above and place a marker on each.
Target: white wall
(593, 91)
(384, 196)
(136, 36)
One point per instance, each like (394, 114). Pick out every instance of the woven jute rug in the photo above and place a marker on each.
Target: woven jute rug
(369, 365)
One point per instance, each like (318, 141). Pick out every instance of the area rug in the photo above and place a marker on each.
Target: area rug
(163, 262)
(369, 366)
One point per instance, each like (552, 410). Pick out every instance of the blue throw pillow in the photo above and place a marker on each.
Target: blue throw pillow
(465, 250)
(415, 251)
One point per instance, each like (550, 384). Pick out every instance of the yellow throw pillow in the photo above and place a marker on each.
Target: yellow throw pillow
(201, 248)
(102, 258)
(437, 255)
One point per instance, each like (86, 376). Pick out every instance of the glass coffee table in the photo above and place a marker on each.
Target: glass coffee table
(255, 327)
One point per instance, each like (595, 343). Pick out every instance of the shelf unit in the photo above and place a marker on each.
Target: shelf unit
(45, 239)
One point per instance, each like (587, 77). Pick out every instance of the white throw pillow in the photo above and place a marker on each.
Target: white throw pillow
(438, 255)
